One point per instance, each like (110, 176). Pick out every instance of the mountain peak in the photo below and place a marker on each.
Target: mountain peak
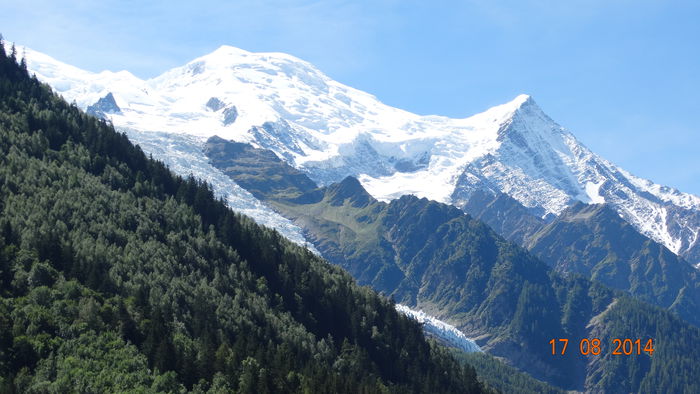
(231, 53)
(103, 106)
(526, 109)
(522, 99)
(349, 189)
(229, 50)
(524, 103)
(505, 112)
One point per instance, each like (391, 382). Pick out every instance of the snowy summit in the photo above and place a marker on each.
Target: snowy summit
(278, 102)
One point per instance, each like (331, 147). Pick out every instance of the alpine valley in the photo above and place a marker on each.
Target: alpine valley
(501, 228)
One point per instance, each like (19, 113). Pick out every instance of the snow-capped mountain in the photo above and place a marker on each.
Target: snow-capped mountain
(329, 130)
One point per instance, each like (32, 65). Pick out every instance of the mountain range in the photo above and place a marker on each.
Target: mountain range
(329, 131)
(502, 223)
(433, 256)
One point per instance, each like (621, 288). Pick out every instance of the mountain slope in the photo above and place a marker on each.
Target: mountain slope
(330, 131)
(117, 275)
(432, 256)
(504, 214)
(259, 171)
(458, 270)
(593, 240)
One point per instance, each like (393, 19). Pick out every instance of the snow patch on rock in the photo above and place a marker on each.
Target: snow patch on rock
(593, 192)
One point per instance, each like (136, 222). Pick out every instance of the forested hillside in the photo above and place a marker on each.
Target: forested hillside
(504, 378)
(116, 275)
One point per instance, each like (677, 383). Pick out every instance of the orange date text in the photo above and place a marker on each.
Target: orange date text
(594, 346)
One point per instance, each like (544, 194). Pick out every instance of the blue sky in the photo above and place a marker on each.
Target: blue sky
(623, 76)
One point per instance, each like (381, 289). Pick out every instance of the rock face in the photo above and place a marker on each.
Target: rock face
(215, 104)
(103, 106)
(331, 131)
(230, 115)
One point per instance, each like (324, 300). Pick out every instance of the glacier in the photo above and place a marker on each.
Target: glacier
(330, 131)
(444, 332)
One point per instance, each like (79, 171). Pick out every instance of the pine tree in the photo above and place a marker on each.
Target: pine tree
(23, 62)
